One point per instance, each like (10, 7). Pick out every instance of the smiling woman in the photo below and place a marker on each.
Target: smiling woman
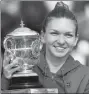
(60, 40)
(57, 68)
(60, 36)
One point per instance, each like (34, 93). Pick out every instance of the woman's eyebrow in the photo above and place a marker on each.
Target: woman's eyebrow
(55, 30)
(69, 32)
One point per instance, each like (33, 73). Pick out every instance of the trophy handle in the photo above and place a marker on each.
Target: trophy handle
(8, 49)
(11, 42)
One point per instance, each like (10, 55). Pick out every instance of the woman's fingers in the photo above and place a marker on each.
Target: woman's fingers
(8, 74)
(11, 66)
(7, 58)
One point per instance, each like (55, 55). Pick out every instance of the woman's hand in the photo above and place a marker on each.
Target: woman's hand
(10, 66)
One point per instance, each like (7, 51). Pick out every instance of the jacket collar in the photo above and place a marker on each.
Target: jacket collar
(69, 65)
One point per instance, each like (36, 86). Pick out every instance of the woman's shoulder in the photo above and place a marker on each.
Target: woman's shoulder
(84, 69)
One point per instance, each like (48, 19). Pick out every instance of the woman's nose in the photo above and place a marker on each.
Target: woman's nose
(61, 39)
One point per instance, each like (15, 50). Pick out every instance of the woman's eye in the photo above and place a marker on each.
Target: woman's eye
(54, 33)
(69, 35)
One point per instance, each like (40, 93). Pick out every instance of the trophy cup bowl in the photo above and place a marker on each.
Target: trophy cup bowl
(24, 44)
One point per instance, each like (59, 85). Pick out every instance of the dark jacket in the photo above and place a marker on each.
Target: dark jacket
(73, 77)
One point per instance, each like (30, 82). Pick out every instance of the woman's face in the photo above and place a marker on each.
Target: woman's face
(60, 37)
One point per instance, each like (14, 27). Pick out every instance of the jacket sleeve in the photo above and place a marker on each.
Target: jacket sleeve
(87, 88)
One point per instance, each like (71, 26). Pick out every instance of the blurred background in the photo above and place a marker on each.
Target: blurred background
(33, 14)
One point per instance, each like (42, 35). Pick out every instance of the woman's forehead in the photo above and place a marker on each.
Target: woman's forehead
(61, 24)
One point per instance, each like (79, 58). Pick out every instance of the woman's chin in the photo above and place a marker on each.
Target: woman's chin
(60, 55)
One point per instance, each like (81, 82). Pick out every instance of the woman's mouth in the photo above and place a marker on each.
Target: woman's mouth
(58, 48)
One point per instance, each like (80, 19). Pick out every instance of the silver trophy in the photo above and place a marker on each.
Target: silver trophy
(24, 44)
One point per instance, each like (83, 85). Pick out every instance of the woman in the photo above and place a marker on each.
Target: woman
(57, 68)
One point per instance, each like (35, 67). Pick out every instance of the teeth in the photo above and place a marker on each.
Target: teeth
(59, 48)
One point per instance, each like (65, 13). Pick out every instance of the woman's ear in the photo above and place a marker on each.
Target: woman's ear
(42, 37)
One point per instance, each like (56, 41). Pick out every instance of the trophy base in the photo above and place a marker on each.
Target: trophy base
(25, 73)
(24, 82)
